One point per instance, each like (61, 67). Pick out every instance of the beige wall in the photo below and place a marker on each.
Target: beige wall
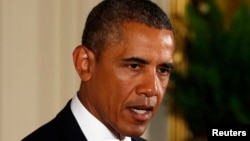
(37, 76)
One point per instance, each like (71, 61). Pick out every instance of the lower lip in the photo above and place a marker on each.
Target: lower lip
(141, 117)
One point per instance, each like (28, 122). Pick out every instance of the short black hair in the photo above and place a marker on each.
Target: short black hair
(104, 22)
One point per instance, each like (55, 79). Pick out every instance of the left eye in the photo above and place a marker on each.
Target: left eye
(164, 71)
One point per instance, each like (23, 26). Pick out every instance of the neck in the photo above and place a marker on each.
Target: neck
(88, 105)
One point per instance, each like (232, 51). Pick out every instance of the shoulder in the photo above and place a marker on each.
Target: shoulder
(63, 127)
(45, 132)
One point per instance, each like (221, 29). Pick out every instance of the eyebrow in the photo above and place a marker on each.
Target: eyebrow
(143, 61)
(136, 59)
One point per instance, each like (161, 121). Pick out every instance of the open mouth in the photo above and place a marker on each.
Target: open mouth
(142, 109)
(141, 113)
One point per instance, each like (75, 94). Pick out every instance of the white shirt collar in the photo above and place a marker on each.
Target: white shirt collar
(93, 129)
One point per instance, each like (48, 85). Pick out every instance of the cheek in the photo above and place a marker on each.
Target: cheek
(117, 90)
(122, 89)
(162, 91)
(160, 98)
(125, 82)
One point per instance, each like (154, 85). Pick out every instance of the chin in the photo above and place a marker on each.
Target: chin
(134, 132)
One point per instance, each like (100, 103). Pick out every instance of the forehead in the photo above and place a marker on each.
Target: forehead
(141, 37)
(139, 40)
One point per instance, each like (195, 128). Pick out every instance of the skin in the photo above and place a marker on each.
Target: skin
(125, 87)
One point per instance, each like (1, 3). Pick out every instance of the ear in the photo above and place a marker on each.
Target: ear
(83, 58)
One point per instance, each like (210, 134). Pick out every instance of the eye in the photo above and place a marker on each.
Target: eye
(134, 66)
(164, 71)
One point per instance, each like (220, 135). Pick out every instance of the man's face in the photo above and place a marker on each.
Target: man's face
(129, 80)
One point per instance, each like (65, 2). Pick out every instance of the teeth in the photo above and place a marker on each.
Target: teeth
(139, 111)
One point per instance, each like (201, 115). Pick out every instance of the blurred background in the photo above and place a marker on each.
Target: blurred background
(209, 85)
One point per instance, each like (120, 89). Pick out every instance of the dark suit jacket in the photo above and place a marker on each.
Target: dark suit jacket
(63, 127)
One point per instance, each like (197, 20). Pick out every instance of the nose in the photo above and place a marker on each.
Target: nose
(149, 85)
